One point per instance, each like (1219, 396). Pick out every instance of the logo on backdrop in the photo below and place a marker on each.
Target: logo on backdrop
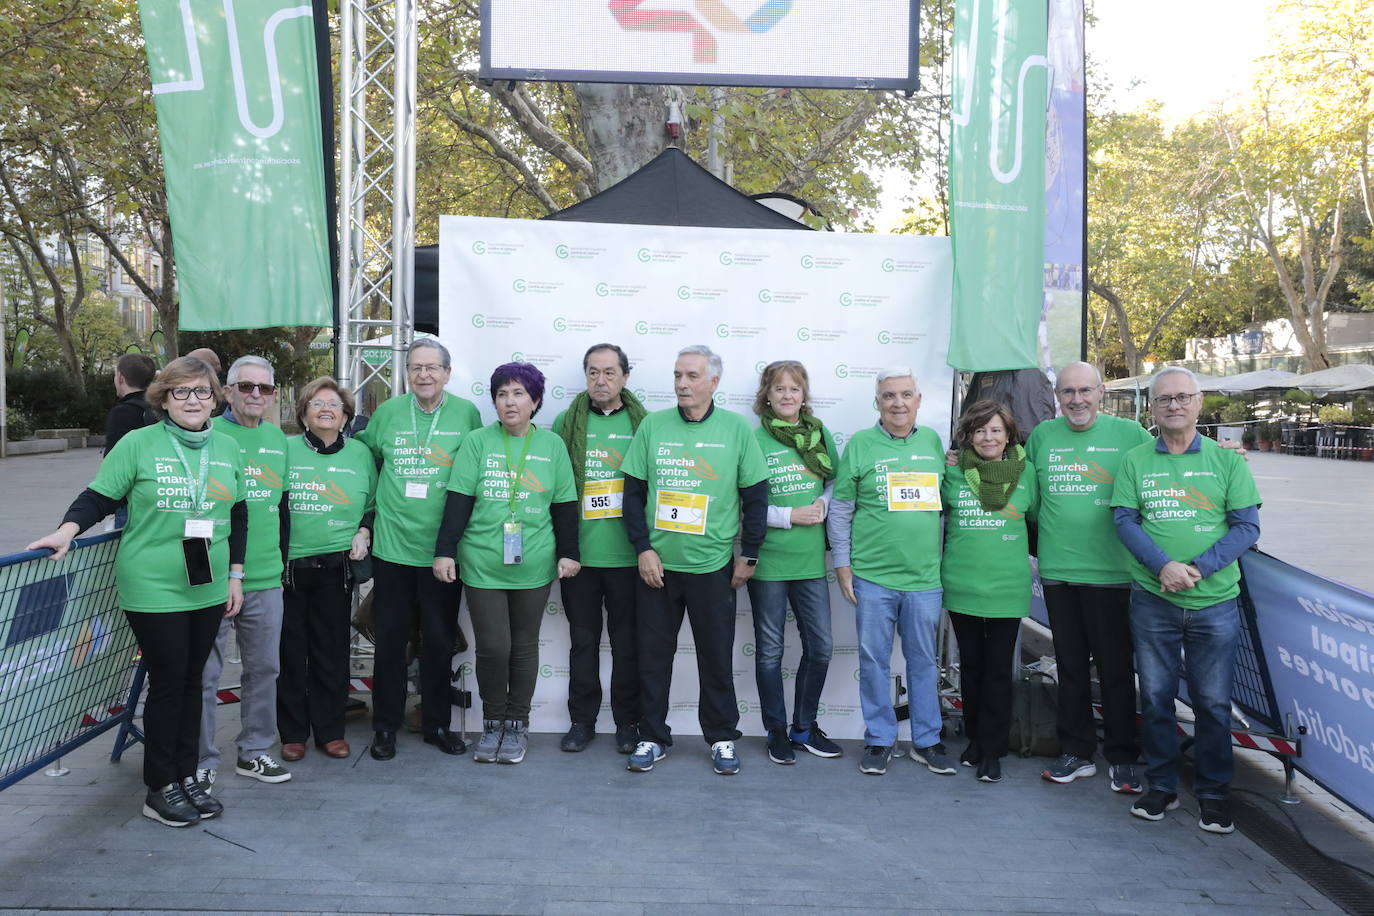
(711, 18)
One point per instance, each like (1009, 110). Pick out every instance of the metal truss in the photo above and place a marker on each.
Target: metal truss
(378, 46)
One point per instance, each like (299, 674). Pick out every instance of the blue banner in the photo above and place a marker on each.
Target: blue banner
(1317, 637)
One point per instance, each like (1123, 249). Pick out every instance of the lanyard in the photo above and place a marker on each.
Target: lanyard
(200, 485)
(517, 473)
(423, 446)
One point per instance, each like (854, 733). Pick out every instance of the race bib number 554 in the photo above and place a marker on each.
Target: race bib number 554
(913, 491)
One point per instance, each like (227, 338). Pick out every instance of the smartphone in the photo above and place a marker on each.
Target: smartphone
(197, 553)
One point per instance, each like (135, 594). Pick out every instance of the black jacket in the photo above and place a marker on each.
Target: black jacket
(131, 413)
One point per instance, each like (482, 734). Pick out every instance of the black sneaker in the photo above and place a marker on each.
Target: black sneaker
(972, 755)
(204, 802)
(814, 741)
(626, 737)
(875, 760)
(780, 747)
(577, 738)
(1215, 815)
(1154, 803)
(169, 805)
(990, 770)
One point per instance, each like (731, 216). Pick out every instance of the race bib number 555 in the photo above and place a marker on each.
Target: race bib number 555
(603, 499)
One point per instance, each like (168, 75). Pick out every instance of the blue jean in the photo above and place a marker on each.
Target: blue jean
(810, 599)
(914, 616)
(1166, 636)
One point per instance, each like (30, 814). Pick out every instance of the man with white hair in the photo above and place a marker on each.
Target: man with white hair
(1085, 571)
(1186, 509)
(251, 394)
(694, 479)
(884, 528)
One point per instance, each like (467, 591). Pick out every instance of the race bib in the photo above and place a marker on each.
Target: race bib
(684, 513)
(199, 528)
(913, 491)
(416, 490)
(603, 499)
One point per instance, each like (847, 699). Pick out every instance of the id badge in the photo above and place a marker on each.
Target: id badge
(199, 528)
(416, 490)
(512, 543)
(913, 491)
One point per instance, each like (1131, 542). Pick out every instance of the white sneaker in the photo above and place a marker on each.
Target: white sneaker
(263, 768)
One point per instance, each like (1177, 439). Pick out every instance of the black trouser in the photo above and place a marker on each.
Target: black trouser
(505, 631)
(709, 602)
(312, 689)
(1093, 622)
(584, 595)
(986, 645)
(403, 593)
(175, 646)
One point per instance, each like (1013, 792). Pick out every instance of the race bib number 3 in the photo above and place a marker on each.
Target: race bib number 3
(684, 513)
(913, 491)
(603, 499)
(416, 490)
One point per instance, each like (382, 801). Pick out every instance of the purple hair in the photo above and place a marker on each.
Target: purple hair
(524, 375)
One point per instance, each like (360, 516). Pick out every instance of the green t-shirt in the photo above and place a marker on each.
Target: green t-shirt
(150, 569)
(986, 566)
(789, 554)
(327, 496)
(1076, 471)
(897, 548)
(1183, 501)
(601, 525)
(416, 462)
(487, 461)
(694, 473)
(262, 449)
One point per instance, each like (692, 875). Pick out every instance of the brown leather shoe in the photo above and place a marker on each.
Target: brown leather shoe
(338, 749)
(292, 751)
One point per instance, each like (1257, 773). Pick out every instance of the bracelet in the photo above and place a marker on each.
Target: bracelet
(235, 575)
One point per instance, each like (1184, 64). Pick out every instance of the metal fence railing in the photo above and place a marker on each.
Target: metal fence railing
(69, 667)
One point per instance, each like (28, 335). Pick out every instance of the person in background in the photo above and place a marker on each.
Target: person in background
(1186, 509)
(251, 395)
(179, 570)
(698, 472)
(330, 485)
(597, 429)
(511, 521)
(414, 439)
(209, 357)
(801, 458)
(884, 527)
(985, 572)
(133, 374)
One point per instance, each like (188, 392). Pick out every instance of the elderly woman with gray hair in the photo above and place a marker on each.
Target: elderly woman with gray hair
(511, 521)
(414, 439)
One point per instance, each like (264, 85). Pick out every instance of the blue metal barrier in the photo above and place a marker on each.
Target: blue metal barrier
(69, 668)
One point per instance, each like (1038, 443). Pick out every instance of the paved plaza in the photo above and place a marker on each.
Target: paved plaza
(576, 833)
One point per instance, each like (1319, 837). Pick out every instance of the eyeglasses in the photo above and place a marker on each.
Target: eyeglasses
(250, 387)
(1182, 400)
(202, 392)
(321, 405)
(428, 369)
(1067, 393)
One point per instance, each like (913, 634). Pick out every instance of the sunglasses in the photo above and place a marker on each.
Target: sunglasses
(250, 387)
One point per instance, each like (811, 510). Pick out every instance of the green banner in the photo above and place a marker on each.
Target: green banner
(997, 182)
(158, 342)
(21, 347)
(238, 112)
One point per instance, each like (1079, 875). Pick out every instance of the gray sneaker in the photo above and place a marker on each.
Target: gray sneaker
(514, 739)
(935, 759)
(490, 742)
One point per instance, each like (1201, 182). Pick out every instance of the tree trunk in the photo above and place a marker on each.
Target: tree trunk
(624, 127)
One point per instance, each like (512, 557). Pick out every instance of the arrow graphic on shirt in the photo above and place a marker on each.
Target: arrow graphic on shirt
(264, 475)
(530, 482)
(330, 492)
(1196, 498)
(435, 455)
(218, 491)
(702, 468)
(1095, 471)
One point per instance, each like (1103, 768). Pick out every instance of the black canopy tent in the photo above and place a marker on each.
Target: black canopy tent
(671, 190)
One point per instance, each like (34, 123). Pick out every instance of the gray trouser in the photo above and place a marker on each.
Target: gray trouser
(259, 642)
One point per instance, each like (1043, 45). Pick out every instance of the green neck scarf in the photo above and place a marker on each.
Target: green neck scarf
(191, 438)
(575, 430)
(993, 481)
(807, 436)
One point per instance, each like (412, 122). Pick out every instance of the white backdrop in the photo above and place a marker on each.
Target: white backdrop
(845, 305)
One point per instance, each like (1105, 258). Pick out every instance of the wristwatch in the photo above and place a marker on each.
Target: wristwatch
(750, 561)
(235, 575)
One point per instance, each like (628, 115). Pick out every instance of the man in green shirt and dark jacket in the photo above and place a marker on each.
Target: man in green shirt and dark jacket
(1186, 509)
(597, 430)
(692, 471)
